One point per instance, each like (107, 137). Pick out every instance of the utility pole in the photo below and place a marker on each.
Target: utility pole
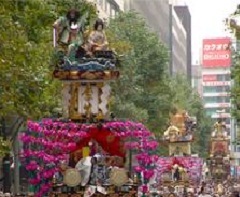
(16, 166)
(16, 172)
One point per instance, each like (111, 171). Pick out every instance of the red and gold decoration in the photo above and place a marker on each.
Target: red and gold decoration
(180, 168)
(189, 169)
(219, 158)
(179, 134)
(86, 75)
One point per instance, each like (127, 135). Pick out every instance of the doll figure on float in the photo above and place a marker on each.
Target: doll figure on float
(84, 167)
(97, 40)
(171, 133)
(91, 170)
(68, 31)
(176, 173)
(219, 130)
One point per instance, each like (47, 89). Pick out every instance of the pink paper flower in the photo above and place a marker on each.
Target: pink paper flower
(144, 189)
(138, 169)
(34, 181)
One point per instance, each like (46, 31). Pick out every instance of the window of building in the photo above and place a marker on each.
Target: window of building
(108, 8)
(216, 89)
(224, 77)
(238, 148)
(100, 3)
(104, 5)
(212, 111)
(216, 99)
(209, 113)
(113, 12)
(238, 134)
(227, 120)
(195, 82)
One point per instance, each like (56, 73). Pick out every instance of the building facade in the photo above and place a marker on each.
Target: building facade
(156, 14)
(163, 19)
(184, 15)
(170, 21)
(197, 78)
(216, 80)
(179, 45)
(108, 8)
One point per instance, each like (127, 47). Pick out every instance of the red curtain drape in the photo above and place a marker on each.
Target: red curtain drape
(110, 142)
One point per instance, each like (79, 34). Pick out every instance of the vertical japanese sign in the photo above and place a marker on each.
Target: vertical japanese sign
(216, 53)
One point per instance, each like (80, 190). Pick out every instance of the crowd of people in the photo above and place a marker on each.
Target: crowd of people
(205, 189)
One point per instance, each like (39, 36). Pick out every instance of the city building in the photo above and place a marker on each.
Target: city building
(216, 81)
(157, 16)
(179, 44)
(172, 26)
(184, 15)
(108, 8)
(197, 78)
(216, 85)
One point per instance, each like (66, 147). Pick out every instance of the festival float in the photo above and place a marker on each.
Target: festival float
(180, 170)
(87, 151)
(219, 158)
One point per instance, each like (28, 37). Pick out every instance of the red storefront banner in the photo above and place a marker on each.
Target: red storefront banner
(216, 53)
(209, 78)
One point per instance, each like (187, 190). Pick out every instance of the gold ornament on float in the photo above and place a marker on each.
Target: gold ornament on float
(74, 74)
(72, 177)
(118, 176)
(89, 75)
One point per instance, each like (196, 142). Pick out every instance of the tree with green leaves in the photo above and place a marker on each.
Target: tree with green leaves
(143, 92)
(27, 86)
(235, 91)
(234, 26)
(232, 22)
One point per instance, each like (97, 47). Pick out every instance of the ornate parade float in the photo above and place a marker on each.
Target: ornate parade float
(86, 152)
(180, 170)
(219, 160)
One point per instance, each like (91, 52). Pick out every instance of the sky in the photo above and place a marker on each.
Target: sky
(207, 21)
